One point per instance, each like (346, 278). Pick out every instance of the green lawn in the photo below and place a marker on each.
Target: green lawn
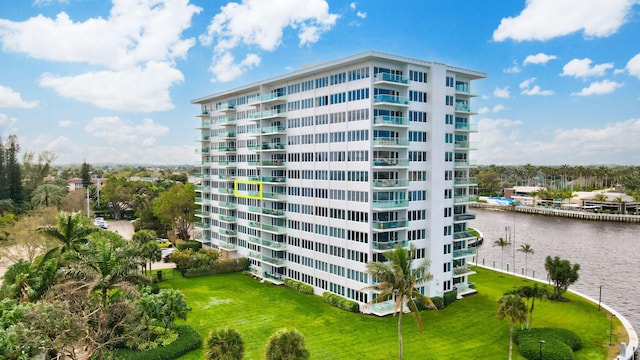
(467, 329)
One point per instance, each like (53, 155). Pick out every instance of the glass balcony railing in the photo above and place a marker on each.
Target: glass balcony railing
(274, 196)
(226, 148)
(225, 191)
(227, 205)
(390, 142)
(227, 163)
(461, 163)
(273, 261)
(463, 217)
(274, 179)
(203, 238)
(225, 177)
(273, 163)
(466, 127)
(463, 253)
(274, 228)
(203, 113)
(392, 78)
(390, 120)
(465, 181)
(226, 120)
(464, 107)
(273, 130)
(463, 235)
(272, 146)
(390, 162)
(385, 225)
(226, 107)
(274, 244)
(386, 204)
(391, 99)
(465, 199)
(267, 114)
(389, 245)
(202, 225)
(227, 134)
(227, 246)
(254, 240)
(205, 124)
(464, 89)
(228, 218)
(389, 183)
(466, 145)
(228, 232)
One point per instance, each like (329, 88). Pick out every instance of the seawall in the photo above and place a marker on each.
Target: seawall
(574, 214)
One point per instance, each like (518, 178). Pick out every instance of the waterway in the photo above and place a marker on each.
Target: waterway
(606, 252)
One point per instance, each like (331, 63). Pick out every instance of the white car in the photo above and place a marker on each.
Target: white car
(166, 252)
(100, 222)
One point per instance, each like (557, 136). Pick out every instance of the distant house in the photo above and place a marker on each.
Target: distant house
(522, 194)
(76, 183)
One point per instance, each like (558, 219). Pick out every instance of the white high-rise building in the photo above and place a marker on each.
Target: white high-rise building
(314, 173)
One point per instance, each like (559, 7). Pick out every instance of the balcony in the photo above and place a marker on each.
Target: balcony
(465, 108)
(465, 199)
(227, 218)
(227, 246)
(226, 177)
(279, 230)
(462, 253)
(201, 213)
(389, 204)
(205, 124)
(227, 135)
(464, 217)
(227, 205)
(390, 142)
(274, 245)
(228, 232)
(465, 163)
(273, 130)
(203, 114)
(390, 162)
(227, 148)
(391, 100)
(202, 188)
(227, 120)
(390, 183)
(464, 235)
(267, 98)
(466, 127)
(386, 246)
(386, 78)
(200, 225)
(228, 191)
(390, 121)
(464, 89)
(271, 147)
(273, 278)
(274, 179)
(273, 261)
(226, 107)
(268, 114)
(465, 181)
(274, 163)
(201, 201)
(387, 225)
(462, 271)
(227, 163)
(204, 138)
(254, 240)
(203, 238)
(274, 196)
(465, 145)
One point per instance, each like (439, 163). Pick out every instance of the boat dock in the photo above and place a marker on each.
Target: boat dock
(574, 214)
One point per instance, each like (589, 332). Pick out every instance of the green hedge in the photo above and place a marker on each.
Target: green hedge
(191, 244)
(298, 286)
(341, 302)
(189, 339)
(444, 301)
(219, 267)
(559, 344)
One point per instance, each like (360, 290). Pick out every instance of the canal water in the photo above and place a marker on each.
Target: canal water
(606, 252)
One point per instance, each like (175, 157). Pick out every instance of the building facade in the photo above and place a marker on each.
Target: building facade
(314, 173)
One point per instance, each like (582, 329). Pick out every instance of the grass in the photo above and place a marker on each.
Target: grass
(467, 329)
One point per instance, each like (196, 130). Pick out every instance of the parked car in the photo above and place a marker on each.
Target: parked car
(166, 252)
(100, 222)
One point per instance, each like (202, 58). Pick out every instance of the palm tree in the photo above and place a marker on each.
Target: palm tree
(513, 306)
(48, 195)
(106, 262)
(286, 344)
(601, 198)
(532, 292)
(72, 230)
(224, 344)
(397, 280)
(526, 249)
(502, 243)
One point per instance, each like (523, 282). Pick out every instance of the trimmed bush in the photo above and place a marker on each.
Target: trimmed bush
(219, 267)
(341, 302)
(191, 244)
(559, 343)
(449, 297)
(298, 286)
(442, 302)
(188, 340)
(438, 301)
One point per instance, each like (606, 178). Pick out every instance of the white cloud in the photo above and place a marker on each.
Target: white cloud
(225, 68)
(7, 125)
(513, 69)
(581, 68)
(525, 84)
(497, 108)
(503, 141)
(65, 123)
(484, 110)
(260, 24)
(547, 19)
(502, 92)
(361, 14)
(9, 98)
(117, 131)
(134, 89)
(49, 2)
(136, 35)
(352, 6)
(633, 66)
(599, 88)
(540, 58)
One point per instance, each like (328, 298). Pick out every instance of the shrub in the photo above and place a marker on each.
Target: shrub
(298, 286)
(189, 259)
(559, 343)
(188, 340)
(449, 297)
(442, 302)
(341, 302)
(219, 267)
(438, 301)
(224, 344)
(191, 244)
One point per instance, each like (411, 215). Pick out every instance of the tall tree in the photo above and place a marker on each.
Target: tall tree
(562, 274)
(502, 243)
(85, 174)
(399, 280)
(176, 208)
(12, 168)
(286, 344)
(526, 249)
(71, 231)
(512, 306)
(48, 195)
(4, 185)
(118, 194)
(532, 292)
(224, 344)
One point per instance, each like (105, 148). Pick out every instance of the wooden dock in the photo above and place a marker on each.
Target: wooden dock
(573, 214)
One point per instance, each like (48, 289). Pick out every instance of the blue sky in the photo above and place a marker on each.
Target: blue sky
(111, 81)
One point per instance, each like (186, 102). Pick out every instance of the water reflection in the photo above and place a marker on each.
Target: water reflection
(604, 250)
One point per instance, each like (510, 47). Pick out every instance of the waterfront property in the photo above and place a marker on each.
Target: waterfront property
(314, 173)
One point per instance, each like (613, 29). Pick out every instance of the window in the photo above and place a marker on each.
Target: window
(418, 96)
(448, 119)
(448, 100)
(449, 81)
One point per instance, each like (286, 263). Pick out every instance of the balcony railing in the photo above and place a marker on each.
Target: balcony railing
(465, 199)
(465, 163)
(274, 196)
(202, 225)
(273, 163)
(205, 124)
(466, 127)
(267, 114)
(227, 205)
(272, 146)
(391, 78)
(273, 261)
(390, 162)
(464, 107)
(390, 142)
(203, 113)
(463, 253)
(465, 181)
(226, 107)
(463, 235)
(228, 218)
(464, 89)
(274, 244)
(386, 204)
(466, 145)
(391, 99)
(228, 232)
(227, 246)
(385, 225)
(390, 120)
(227, 120)
(273, 130)
(274, 179)
(389, 245)
(390, 183)
(226, 148)
(227, 134)
(463, 217)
